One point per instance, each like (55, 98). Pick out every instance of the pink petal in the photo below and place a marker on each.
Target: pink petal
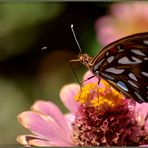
(143, 108)
(143, 146)
(52, 110)
(70, 118)
(45, 127)
(107, 30)
(125, 12)
(26, 141)
(38, 142)
(87, 75)
(23, 139)
(67, 94)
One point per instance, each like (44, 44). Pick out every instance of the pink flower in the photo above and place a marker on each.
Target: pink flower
(124, 19)
(98, 116)
(50, 127)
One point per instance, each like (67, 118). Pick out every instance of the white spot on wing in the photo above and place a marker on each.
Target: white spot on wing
(137, 60)
(122, 85)
(132, 83)
(114, 70)
(107, 53)
(107, 76)
(97, 65)
(125, 60)
(145, 42)
(145, 73)
(146, 58)
(138, 96)
(119, 48)
(132, 76)
(110, 59)
(138, 52)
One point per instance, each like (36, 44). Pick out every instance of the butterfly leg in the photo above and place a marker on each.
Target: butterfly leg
(98, 84)
(98, 81)
(86, 79)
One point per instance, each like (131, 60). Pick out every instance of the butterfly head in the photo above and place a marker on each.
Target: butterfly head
(85, 59)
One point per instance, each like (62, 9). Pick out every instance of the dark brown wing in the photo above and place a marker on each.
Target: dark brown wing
(124, 64)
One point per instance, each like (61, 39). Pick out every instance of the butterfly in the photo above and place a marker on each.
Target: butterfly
(124, 65)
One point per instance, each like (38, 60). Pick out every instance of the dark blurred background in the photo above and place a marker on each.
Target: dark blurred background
(36, 44)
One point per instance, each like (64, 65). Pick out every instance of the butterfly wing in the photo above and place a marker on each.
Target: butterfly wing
(123, 64)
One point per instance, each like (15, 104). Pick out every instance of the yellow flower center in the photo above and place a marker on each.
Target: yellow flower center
(94, 95)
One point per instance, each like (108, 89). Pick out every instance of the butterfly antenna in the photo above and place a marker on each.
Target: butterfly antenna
(76, 38)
